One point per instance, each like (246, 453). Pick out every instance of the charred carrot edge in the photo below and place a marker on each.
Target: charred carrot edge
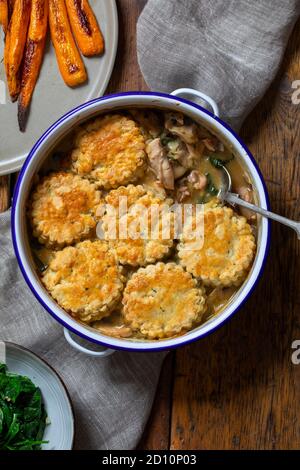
(34, 52)
(85, 27)
(11, 4)
(4, 15)
(68, 57)
(14, 45)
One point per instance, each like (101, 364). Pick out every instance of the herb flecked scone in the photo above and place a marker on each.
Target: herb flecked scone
(110, 151)
(63, 209)
(142, 250)
(85, 280)
(224, 255)
(162, 300)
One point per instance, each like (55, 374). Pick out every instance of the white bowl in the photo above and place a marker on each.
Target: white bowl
(47, 143)
(60, 431)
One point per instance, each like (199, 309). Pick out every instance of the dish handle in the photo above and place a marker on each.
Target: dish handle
(198, 94)
(104, 353)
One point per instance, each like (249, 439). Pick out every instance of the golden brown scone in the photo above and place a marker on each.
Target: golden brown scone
(225, 255)
(63, 209)
(109, 150)
(144, 248)
(85, 280)
(162, 300)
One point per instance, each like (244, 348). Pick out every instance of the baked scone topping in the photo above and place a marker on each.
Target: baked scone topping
(85, 280)
(63, 209)
(225, 253)
(162, 300)
(138, 235)
(109, 150)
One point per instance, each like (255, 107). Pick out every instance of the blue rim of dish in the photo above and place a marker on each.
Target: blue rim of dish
(23, 171)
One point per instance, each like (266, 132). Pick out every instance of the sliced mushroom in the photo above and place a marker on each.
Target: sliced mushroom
(177, 150)
(194, 152)
(167, 174)
(197, 179)
(182, 193)
(148, 120)
(156, 153)
(209, 144)
(160, 164)
(174, 123)
(185, 154)
(246, 193)
(221, 146)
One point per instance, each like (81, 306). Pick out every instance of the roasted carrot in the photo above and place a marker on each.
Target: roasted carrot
(11, 4)
(85, 27)
(33, 57)
(6, 51)
(68, 57)
(14, 45)
(4, 14)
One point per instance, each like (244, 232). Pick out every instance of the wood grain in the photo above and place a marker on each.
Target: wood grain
(126, 74)
(157, 431)
(238, 389)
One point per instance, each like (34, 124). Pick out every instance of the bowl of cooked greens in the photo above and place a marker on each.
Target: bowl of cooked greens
(35, 408)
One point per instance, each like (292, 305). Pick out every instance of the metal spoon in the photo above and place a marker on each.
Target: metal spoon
(226, 195)
(39, 263)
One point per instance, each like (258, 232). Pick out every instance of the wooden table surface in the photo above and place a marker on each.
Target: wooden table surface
(236, 389)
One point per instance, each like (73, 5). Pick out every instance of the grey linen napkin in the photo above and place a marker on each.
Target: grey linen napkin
(228, 49)
(112, 397)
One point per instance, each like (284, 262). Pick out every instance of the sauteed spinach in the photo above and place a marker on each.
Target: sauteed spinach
(22, 414)
(219, 162)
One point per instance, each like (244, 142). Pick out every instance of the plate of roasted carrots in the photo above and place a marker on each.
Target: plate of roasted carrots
(55, 55)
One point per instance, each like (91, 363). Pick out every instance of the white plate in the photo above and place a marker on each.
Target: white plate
(52, 98)
(60, 431)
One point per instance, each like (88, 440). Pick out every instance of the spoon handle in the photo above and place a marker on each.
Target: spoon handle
(235, 199)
